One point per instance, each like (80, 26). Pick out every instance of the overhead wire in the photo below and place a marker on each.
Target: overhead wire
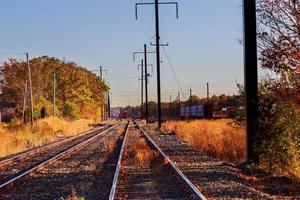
(174, 73)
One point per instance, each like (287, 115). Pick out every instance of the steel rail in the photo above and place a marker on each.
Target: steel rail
(118, 167)
(55, 158)
(196, 193)
(34, 151)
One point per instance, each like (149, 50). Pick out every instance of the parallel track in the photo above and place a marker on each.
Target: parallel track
(42, 162)
(27, 154)
(119, 187)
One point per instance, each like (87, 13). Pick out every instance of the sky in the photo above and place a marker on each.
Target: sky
(203, 42)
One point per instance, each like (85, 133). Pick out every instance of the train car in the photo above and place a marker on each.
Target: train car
(184, 112)
(197, 111)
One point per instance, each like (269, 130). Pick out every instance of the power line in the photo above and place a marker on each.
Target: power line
(124, 78)
(174, 74)
(11, 53)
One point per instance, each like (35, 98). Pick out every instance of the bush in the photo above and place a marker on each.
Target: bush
(69, 111)
(278, 135)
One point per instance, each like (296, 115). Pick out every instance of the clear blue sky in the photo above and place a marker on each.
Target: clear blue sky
(203, 41)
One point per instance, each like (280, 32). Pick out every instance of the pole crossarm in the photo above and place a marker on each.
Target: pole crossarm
(148, 65)
(152, 3)
(162, 45)
(151, 65)
(141, 52)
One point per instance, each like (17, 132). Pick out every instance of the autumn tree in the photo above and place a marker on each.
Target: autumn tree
(79, 93)
(278, 135)
(279, 44)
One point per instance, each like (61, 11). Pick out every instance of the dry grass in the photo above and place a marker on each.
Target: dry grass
(120, 131)
(73, 195)
(16, 137)
(143, 153)
(109, 146)
(220, 138)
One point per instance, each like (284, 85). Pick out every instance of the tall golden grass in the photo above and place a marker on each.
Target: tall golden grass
(221, 138)
(143, 153)
(17, 137)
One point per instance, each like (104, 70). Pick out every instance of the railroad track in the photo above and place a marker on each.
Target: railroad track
(15, 169)
(217, 179)
(38, 150)
(144, 171)
(136, 169)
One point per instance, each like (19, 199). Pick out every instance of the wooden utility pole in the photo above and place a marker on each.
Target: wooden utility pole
(54, 90)
(179, 104)
(145, 52)
(157, 39)
(146, 84)
(251, 79)
(190, 109)
(142, 88)
(170, 108)
(30, 88)
(24, 101)
(207, 91)
(108, 105)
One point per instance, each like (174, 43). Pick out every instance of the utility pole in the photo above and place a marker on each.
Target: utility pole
(145, 52)
(157, 38)
(170, 106)
(251, 79)
(30, 88)
(190, 103)
(179, 104)
(146, 82)
(24, 101)
(108, 104)
(54, 90)
(100, 71)
(102, 79)
(104, 104)
(142, 88)
(207, 90)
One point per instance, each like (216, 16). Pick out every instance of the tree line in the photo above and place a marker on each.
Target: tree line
(79, 93)
(172, 109)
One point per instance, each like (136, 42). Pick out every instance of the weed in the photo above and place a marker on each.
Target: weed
(219, 138)
(17, 137)
(143, 153)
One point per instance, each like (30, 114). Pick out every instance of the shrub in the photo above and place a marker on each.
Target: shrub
(278, 136)
(69, 110)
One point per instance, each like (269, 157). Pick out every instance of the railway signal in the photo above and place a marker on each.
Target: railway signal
(156, 3)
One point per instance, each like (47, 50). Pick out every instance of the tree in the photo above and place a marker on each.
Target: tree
(278, 135)
(279, 44)
(79, 93)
